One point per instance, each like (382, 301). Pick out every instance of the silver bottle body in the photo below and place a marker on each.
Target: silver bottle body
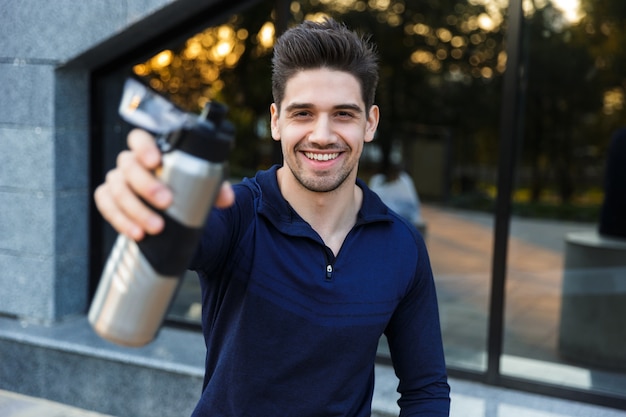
(132, 298)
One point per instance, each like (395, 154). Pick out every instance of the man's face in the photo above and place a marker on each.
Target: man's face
(322, 127)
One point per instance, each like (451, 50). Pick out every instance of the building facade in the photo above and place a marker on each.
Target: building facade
(504, 138)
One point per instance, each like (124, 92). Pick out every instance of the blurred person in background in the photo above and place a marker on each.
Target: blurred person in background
(396, 188)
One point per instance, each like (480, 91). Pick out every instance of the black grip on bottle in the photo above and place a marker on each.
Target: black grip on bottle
(170, 251)
(207, 142)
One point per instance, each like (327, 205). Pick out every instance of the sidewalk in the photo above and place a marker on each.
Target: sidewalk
(469, 399)
(17, 405)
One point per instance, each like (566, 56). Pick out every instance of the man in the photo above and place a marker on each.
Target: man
(302, 267)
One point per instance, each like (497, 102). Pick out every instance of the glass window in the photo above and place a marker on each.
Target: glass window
(565, 281)
(441, 70)
(439, 89)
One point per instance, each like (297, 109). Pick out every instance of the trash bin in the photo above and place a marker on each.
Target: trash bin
(592, 328)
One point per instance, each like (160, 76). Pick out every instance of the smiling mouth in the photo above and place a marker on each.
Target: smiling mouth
(321, 156)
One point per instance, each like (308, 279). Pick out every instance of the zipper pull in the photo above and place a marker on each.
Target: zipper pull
(329, 272)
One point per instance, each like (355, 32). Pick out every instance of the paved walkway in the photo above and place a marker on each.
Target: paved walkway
(16, 405)
(469, 399)
(460, 244)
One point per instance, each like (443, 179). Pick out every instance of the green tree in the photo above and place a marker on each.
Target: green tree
(570, 66)
(441, 65)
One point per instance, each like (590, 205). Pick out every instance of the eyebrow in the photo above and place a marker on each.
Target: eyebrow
(345, 106)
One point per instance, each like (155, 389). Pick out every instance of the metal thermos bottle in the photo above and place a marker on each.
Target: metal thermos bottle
(141, 278)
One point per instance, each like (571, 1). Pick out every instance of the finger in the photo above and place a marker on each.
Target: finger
(226, 196)
(144, 147)
(129, 207)
(142, 181)
(112, 214)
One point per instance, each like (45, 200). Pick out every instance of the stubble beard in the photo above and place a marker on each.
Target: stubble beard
(322, 181)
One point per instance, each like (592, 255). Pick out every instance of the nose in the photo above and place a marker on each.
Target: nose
(322, 132)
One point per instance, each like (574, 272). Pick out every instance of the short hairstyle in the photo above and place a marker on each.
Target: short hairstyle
(327, 44)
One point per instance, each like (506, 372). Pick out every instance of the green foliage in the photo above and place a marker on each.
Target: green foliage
(441, 66)
(568, 211)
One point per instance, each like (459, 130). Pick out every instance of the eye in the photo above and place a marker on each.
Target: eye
(344, 115)
(301, 114)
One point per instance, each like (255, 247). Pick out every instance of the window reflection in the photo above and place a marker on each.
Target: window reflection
(460, 243)
(564, 286)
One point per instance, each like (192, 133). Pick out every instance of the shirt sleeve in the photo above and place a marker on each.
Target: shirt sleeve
(220, 232)
(415, 343)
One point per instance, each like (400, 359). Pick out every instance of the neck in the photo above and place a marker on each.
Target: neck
(331, 214)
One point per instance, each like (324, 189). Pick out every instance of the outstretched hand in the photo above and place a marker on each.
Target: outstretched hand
(119, 198)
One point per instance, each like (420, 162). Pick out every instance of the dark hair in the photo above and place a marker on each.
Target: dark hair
(326, 44)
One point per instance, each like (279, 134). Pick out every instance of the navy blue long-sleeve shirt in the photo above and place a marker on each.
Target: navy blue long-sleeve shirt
(292, 330)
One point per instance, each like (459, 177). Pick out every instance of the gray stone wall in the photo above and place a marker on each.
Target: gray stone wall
(44, 137)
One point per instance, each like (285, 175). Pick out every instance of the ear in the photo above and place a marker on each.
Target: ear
(274, 122)
(372, 123)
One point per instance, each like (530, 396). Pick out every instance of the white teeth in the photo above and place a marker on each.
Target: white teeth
(321, 156)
